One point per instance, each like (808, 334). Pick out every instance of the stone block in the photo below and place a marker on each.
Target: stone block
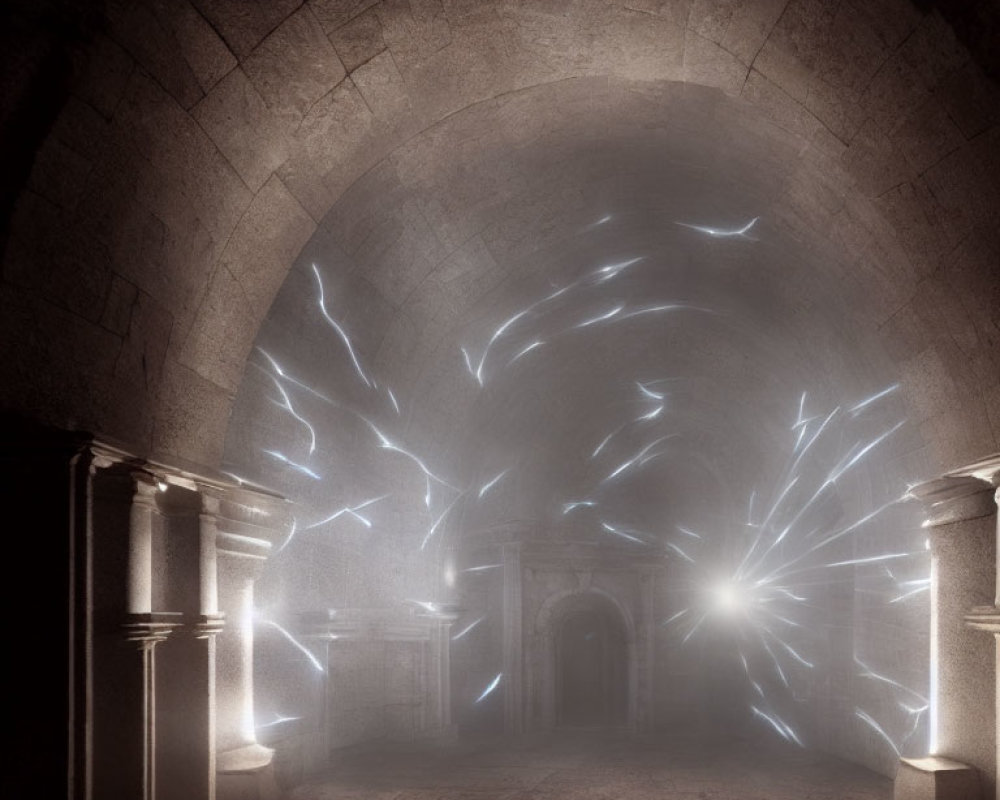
(243, 25)
(140, 360)
(874, 162)
(414, 29)
(359, 41)
(893, 94)
(203, 49)
(186, 178)
(265, 242)
(675, 11)
(932, 51)
(707, 64)
(136, 27)
(636, 46)
(104, 75)
(59, 173)
(749, 26)
(336, 135)
(971, 99)
(334, 14)
(710, 18)
(382, 87)
(250, 136)
(294, 66)
(191, 416)
(779, 107)
(928, 135)
(835, 109)
(117, 312)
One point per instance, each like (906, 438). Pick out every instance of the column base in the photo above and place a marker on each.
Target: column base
(936, 778)
(246, 773)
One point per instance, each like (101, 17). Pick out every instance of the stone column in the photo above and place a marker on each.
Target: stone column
(962, 537)
(438, 700)
(987, 618)
(641, 698)
(143, 627)
(513, 642)
(246, 528)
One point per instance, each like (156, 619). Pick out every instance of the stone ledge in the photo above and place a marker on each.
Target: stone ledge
(936, 778)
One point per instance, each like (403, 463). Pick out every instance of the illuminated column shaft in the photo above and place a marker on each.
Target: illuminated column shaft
(962, 534)
(244, 539)
(140, 626)
(139, 598)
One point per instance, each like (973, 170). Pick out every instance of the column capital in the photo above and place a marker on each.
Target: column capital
(954, 498)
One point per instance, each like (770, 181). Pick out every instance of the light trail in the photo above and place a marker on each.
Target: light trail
(340, 331)
(467, 628)
(600, 317)
(286, 404)
(291, 535)
(301, 647)
(351, 511)
(491, 483)
(572, 506)
(438, 521)
(280, 719)
(877, 728)
(282, 374)
(489, 689)
(877, 396)
(292, 464)
(720, 232)
(621, 533)
(387, 444)
(637, 459)
(649, 392)
(524, 351)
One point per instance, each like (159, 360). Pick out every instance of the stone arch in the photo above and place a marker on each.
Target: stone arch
(540, 653)
(200, 146)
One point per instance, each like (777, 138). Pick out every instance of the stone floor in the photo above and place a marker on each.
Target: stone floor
(594, 766)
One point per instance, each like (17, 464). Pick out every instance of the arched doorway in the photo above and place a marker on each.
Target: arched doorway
(591, 665)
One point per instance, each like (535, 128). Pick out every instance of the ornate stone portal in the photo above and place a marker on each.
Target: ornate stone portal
(545, 586)
(963, 534)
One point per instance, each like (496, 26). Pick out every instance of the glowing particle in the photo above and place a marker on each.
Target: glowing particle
(720, 232)
(491, 483)
(489, 689)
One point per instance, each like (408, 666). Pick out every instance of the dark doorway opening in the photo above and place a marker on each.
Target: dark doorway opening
(591, 669)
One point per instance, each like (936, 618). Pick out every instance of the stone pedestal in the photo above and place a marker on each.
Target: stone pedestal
(935, 778)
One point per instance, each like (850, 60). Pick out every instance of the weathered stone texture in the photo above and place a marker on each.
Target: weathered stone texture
(249, 135)
(359, 41)
(244, 24)
(294, 66)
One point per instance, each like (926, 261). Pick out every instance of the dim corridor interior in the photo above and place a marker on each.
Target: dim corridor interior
(594, 765)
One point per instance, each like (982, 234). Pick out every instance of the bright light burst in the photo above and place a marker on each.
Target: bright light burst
(768, 578)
